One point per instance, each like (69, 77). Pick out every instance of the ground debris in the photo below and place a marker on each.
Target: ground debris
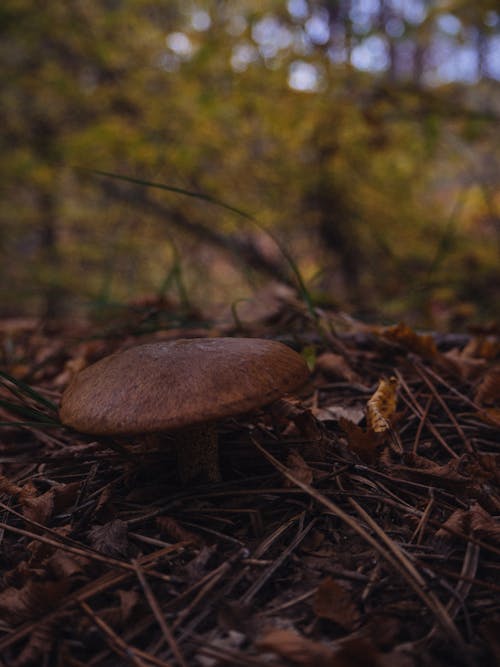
(356, 524)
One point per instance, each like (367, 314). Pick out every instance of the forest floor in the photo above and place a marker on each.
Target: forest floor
(355, 523)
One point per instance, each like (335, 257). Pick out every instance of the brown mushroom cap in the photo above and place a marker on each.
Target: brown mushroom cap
(170, 385)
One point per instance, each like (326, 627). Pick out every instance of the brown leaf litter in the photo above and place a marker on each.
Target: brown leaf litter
(356, 525)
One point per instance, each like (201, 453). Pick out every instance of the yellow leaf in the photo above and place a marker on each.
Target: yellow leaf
(382, 405)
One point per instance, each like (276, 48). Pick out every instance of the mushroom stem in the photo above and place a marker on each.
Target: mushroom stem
(198, 453)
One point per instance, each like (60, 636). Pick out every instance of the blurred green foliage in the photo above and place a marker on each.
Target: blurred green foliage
(380, 180)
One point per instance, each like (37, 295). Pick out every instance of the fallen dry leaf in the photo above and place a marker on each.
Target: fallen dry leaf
(360, 651)
(336, 412)
(31, 601)
(299, 469)
(482, 347)
(197, 567)
(490, 416)
(422, 344)
(488, 390)
(475, 521)
(176, 532)
(110, 539)
(382, 405)
(484, 467)
(65, 565)
(465, 367)
(40, 642)
(297, 649)
(57, 499)
(128, 601)
(355, 651)
(335, 366)
(363, 443)
(483, 525)
(334, 602)
(39, 508)
(423, 467)
(6, 486)
(287, 410)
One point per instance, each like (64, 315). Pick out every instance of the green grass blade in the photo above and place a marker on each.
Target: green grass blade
(25, 411)
(32, 424)
(171, 188)
(25, 389)
(233, 209)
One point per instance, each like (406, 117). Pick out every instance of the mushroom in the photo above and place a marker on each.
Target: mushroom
(181, 388)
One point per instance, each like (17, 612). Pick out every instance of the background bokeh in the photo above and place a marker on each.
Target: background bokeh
(362, 136)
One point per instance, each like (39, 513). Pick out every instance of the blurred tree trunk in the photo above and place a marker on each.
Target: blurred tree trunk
(44, 147)
(338, 230)
(50, 256)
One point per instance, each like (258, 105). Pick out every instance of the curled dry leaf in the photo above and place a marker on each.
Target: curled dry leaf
(39, 508)
(483, 524)
(58, 499)
(475, 521)
(296, 418)
(465, 367)
(334, 602)
(6, 486)
(335, 365)
(424, 346)
(117, 616)
(423, 469)
(110, 539)
(40, 641)
(382, 405)
(65, 565)
(360, 651)
(104, 499)
(299, 469)
(128, 600)
(421, 344)
(354, 414)
(222, 646)
(482, 347)
(288, 410)
(197, 568)
(353, 651)
(488, 390)
(363, 443)
(297, 649)
(455, 523)
(31, 601)
(490, 416)
(484, 467)
(173, 529)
